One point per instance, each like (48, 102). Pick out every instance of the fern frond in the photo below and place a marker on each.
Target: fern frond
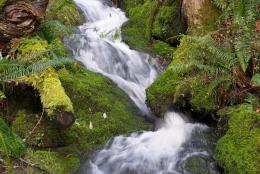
(23, 69)
(10, 143)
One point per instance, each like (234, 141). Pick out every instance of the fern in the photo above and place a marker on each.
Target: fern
(10, 143)
(50, 30)
(13, 70)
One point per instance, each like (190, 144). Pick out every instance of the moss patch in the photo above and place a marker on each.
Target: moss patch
(64, 11)
(138, 30)
(43, 135)
(94, 95)
(238, 151)
(52, 162)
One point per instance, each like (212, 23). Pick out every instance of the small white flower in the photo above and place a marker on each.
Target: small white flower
(105, 115)
(90, 125)
(77, 123)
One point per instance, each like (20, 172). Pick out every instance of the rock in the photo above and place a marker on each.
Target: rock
(197, 11)
(199, 165)
(64, 120)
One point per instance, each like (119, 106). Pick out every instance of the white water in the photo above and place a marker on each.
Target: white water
(100, 48)
(145, 152)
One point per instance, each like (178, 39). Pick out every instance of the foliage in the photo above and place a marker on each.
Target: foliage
(51, 30)
(243, 14)
(10, 143)
(237, 151)
(198, 69)
(202, 71)
(11, 69)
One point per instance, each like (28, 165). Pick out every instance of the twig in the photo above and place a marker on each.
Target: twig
(33, 165)
(39, 121)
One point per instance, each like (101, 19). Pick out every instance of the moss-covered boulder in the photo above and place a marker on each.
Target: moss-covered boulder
(238, 151)
(185, 82)
(198, 165)
(153, 27)
(93, 97)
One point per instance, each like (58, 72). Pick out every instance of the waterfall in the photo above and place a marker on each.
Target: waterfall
(98, 45)
(100, 48)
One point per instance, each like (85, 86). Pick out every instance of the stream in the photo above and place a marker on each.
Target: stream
(177, 145)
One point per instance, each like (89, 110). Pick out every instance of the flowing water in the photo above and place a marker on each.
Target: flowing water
(175, 141)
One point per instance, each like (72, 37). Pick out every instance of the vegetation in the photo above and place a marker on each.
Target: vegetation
(38, 82)
(214, 69)
(218, 71)
(237, 151)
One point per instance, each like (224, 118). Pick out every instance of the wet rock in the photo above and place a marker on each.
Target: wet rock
(199, 165)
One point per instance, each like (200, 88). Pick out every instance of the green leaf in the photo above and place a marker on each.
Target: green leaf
(10, 143)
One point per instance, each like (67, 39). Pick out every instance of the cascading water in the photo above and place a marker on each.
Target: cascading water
(167, 149)
(100, 49)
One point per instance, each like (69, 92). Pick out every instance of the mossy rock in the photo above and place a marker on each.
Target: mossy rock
(137, 32)
(198, 165)
(45, 134)
(168, 24)
(164, 51)
(238, 151)
(92, 96)
(64, 11)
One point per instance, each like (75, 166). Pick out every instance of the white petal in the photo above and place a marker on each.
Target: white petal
(105, 115)
(90, 125)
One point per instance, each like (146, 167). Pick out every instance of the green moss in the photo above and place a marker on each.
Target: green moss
(43, 135)
(138, 30)
(238, 151)
(181, 83)
(52, 162)
(164, 51)
(29, 47)
(167, 22)
(53, 96)
(128, 4)
(94, 95)
(64, 11)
